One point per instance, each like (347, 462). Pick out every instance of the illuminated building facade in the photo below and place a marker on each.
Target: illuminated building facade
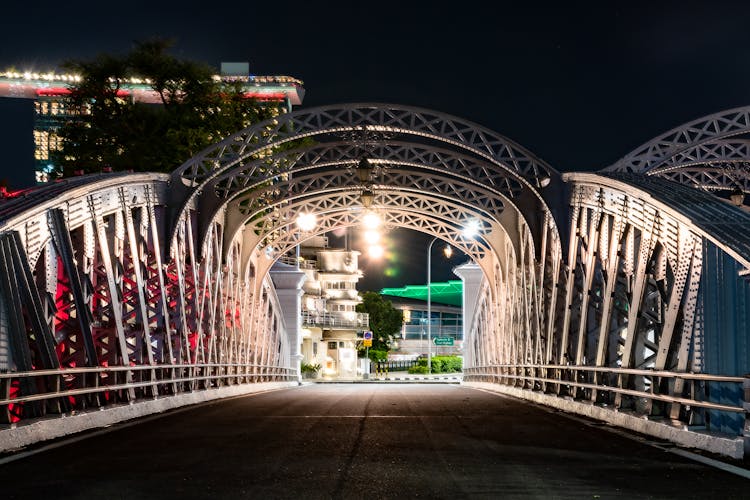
(329, 319)
(445, 310)
(51, 111)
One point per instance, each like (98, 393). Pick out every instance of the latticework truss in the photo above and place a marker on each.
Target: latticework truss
(621, 289)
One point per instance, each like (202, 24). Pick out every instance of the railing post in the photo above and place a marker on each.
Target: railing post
(746, 407)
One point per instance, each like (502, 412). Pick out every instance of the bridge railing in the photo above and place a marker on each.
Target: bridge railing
(610, 386)
(71, 389)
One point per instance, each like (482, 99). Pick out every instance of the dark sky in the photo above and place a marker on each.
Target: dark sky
(579, 84)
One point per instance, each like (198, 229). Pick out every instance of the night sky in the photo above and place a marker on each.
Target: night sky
(579, 84)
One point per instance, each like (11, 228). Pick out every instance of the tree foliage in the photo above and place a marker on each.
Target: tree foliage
(385, 320)
(113, 131)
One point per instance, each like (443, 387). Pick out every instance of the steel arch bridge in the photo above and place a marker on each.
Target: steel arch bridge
(620, 294)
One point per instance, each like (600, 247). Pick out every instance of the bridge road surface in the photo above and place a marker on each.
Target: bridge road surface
(363, 441)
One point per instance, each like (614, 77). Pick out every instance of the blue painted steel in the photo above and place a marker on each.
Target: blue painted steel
(725, 298)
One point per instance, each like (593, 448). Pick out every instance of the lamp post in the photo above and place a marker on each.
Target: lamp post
(470, 230)
(429, 306)
(448, 252)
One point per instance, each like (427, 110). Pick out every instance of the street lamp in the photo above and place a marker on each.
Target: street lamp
(366, 196)
(306, 222)
(364, 170)
(737, 196)
(448, 251)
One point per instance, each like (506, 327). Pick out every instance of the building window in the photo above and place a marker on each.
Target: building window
(41, 141)
(332, 345)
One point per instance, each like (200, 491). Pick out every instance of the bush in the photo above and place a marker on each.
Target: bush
(446, 364)
(419, 369)
(309, 370)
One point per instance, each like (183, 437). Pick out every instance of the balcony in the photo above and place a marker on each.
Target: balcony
(361, 321)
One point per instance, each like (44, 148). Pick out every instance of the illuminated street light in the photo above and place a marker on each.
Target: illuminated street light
(471, 229)
(306, 222)
(375, 251)
(372, 237)
(371, 220)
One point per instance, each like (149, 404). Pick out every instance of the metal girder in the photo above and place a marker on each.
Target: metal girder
(352, 117)
(64, 247)
(27, 298)
(594, 271)
(284, 236)
(346, 155)
(290, 174)
(710, 128)
(195, 178)
(284, 214)
(713, 219)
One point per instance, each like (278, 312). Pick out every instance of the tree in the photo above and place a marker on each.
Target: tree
(385, 320)
(111, 131)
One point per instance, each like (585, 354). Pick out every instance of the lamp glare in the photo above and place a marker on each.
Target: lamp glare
(372, 237)
(306, 221)
(375, 251)
(471, 229)
(371, 220)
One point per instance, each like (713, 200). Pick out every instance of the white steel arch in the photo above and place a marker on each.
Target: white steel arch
(370, 122)
(618, 290)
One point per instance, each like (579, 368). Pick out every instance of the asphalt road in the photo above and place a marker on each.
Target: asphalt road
(364, 441)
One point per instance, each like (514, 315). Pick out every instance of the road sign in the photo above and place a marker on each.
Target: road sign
(442, 340)
(367, 335)
(367, 342)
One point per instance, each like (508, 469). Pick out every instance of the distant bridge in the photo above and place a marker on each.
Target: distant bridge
(620, 294)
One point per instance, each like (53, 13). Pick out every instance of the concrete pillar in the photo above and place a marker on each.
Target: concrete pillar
(471, 275)
(287, 280)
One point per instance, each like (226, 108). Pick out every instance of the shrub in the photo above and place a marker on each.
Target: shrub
(309, 370)
(446, 364)
(419, 369)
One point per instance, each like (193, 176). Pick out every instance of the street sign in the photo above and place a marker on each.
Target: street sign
(367, 342)
(442, 340)
(367, 335)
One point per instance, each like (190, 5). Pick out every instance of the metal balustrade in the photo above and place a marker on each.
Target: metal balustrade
(71, 389)
(600, 384)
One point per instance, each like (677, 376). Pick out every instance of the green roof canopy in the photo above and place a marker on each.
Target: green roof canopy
(449, 293)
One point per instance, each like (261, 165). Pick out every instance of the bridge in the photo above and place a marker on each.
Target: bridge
(620, 294)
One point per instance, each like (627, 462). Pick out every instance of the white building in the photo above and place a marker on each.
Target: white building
(330, 323)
